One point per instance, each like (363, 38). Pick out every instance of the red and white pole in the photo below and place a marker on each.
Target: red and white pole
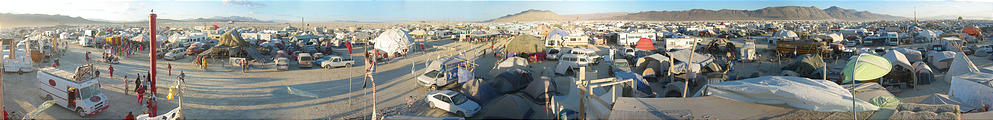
(151, 54)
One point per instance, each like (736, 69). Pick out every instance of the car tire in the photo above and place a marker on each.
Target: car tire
(431, 104)
(433, 87)
(79, 111)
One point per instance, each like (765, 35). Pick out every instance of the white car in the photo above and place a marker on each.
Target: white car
(628, 52)
(575, 61)
(453, 102)
(589, 52)
(552, 53)
(175, 54)
(282, 63)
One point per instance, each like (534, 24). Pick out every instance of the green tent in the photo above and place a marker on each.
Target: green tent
(806, 64)
(525, 44)
(866, 67)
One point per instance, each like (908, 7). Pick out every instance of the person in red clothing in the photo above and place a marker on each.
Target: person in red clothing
(111, 70)
(129, 117)
(170, 69)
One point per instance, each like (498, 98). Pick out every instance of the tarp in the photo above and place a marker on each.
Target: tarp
(703, 60)
(645, 44)
(911, 54)
(960, 65)
(513, 62)
(806, 64)
(885, 101)
(802, 93)
(509, 106)
(231, 39)
(898, 59)
(639, 83)
(525, 44)
(866, 67)
(393, 41)
(941, 99)
(478, 91)
(782, 33)
(941, 60)
(974, 88)
(924, 73)
(541, 90)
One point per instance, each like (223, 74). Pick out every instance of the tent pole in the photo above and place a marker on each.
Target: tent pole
(855, 115)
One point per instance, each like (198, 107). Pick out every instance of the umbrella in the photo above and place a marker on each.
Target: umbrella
(868, 67)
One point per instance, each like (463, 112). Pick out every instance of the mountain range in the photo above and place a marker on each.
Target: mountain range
(769, 13)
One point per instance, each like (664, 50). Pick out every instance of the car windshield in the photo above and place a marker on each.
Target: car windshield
(306, 58)
(459, 99)
(553, 51)
(621, 64)
(433, 74)
(88, 92)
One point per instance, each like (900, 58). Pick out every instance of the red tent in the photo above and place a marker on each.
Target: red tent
(645, 44)
(972, 30)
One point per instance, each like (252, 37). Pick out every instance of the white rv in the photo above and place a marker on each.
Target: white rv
(55, 84)
(576, 41)
(678, 43)
(628, 39)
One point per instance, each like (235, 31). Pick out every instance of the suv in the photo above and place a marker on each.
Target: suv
(575, 61)
(552, 53)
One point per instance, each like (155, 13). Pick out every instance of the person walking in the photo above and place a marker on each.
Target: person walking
(126, 84)
(170, 68)
(87, 57)
(110, 69)
(182, 76)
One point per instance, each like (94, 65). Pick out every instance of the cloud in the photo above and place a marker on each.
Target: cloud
(246, 3)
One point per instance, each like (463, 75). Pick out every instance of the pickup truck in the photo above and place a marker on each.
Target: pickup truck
(336, 61)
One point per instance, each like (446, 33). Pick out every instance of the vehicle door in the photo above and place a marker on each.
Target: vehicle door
(446, 103)
(336, 62)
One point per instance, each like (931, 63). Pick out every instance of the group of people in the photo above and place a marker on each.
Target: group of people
(201, 61)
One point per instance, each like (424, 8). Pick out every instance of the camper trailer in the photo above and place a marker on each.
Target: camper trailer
(628, 39)
(678, 43)
(576, 41)
(83, 87)
(892, 38)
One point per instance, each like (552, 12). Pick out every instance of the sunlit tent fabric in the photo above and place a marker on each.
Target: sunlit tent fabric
(866, 67)
(806, 64)
(524, 44)
(650, 65)
(898, 59)
(974, 88)
(393, 41)
(960, 65)
(939, 99)
(231, 39)
(941, 60)
(645, 44)
(911, 54)
(798, 92)
(782, 33)
(703, 60)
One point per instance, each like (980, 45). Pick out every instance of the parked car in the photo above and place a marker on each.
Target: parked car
(619, 65)
(572, 61)
(552, 53)
(304, 60)
(335, 61)
(175, 54)
(588, 52)
(453, 102)
(628, 53)
(282, 63)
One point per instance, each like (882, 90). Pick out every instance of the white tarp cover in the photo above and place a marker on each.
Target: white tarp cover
(513, 62)
(960, 65)
(785, 34)
(704, 60)
(393, 41)
(972, 88)
(802, 93)
(911, 54)
(897, 58)
(941, 60)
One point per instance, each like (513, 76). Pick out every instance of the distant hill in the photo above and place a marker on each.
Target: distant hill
(769, 13)
(8, 19)
(226, 19)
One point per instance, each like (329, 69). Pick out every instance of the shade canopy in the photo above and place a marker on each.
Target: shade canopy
(866, 67)
(525, 44)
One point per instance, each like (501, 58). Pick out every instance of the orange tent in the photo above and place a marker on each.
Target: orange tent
(972, 30)
(645, 44)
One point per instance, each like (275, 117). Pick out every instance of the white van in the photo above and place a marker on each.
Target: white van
(282, 63)
(55, 85)
(304, 60)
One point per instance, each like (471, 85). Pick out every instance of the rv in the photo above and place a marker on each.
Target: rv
(628, 39)
(86, 41)
(576, 41)
(83, 87)
(678, 43)
(892, 38)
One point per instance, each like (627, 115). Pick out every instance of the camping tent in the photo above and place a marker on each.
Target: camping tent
(782, 33)
(939, 99)
(924, 73)
(393, 41)
(898, 59)
(524, 44)
(478, 91)
(802, 93)
(702, 60)
(866, 67)
(541, 90)
(645, 44)
(510, 80)
(960, 65)
(911, 54)
(513, 62)
(972, 88)
(806, 64)
(509, 106)
(941, 60)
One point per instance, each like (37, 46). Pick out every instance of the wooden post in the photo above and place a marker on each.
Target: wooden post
(689, 70)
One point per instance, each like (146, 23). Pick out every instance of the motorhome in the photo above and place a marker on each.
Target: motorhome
(83, 87)
(576, 41)
(678, 43)
(892, 38)
(628, 39)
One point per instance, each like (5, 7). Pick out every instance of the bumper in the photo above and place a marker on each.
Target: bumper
(98, 110)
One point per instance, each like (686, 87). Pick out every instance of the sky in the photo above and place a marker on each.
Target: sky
(475, 10)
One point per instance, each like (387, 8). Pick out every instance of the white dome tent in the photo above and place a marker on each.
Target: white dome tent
(393, 41)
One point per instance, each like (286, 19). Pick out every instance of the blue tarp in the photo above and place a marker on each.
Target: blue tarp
(640, 83)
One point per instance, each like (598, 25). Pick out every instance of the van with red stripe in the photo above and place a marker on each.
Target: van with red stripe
(55, 84)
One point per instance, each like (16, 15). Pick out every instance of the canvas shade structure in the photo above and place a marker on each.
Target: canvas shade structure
(866, 67)
(798, 92)
(393, 41)
(524, 44)
(231, 39)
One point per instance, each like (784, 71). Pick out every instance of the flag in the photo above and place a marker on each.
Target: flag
(349, 46)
